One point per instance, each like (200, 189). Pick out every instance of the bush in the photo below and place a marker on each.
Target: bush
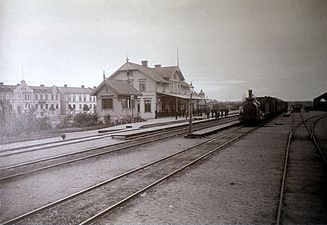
(107, 119)
(20, 124)
(85, 120)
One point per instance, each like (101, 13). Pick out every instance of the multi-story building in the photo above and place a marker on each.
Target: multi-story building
(47, 101)
(7, 94)
(77, 100)
(164, 90)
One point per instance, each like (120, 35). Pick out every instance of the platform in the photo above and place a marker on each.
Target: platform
(207, 131)
(129, 134)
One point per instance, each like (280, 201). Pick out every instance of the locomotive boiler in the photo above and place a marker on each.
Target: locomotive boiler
(255, 110)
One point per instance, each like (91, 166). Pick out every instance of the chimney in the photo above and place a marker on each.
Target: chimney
(250, 94)
(82, 86)
(94, 87)
(157, 66)
(65, 85)
(1, 83)
(42, 85)
(104, 75)
(144, 63)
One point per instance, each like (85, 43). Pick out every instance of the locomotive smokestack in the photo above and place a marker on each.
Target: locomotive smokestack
(250, 94)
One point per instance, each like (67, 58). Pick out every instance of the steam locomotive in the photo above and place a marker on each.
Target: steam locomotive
(255, 110)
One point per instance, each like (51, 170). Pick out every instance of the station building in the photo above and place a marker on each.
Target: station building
(116, 101)
(164, 91)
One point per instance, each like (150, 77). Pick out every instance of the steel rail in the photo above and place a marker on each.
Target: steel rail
(56, 144)
(68, 140)
(293, 128)
(71, 141)
(49, 143)
(282, 186)
(313, 136)
(76, 159)
(13, 220)
(160, 137)
(91, 149)
(91, 219)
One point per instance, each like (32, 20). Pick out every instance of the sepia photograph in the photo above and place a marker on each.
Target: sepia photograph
(163, 112)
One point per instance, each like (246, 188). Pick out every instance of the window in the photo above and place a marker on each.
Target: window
(57, 106)
(125, 103)
(147, 105)
(36, 106)
(80, 106)
(52, 97)
(107, 103)
(142, 85)
(56, 97)
(84, 98)
(90, 99)
(41, 97)
(80, 98)
(46, 96)
(46, 106)
(74, 106)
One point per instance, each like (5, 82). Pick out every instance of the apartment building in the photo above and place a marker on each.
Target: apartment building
(47, 101)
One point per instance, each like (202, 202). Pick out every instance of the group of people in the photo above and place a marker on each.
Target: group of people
(216, 113)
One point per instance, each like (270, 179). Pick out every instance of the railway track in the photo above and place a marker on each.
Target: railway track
(88, 205)
(42, 146)
(303, 177)
(28, 167)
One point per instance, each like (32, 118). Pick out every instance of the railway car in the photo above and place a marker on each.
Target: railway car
(255, 110)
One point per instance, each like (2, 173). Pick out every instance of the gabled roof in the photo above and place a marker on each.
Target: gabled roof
(184, 84)
(324, 95)
(119, 87)
(157, 74)
(168, 71)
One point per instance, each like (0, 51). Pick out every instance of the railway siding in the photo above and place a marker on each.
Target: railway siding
(305, 200)
(238, 185)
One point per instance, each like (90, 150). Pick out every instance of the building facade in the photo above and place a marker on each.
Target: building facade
(164, 90)
(116, 101)
(76, 100)
(47, 101)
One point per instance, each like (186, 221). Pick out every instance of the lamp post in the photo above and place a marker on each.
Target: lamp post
(191, 111)
(132, 104)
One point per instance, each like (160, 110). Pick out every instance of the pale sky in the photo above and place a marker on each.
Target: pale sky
(275, 47)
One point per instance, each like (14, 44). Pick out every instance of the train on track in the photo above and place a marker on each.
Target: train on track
(254, 110)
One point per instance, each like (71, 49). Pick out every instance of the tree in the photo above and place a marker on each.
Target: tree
(86, 108)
